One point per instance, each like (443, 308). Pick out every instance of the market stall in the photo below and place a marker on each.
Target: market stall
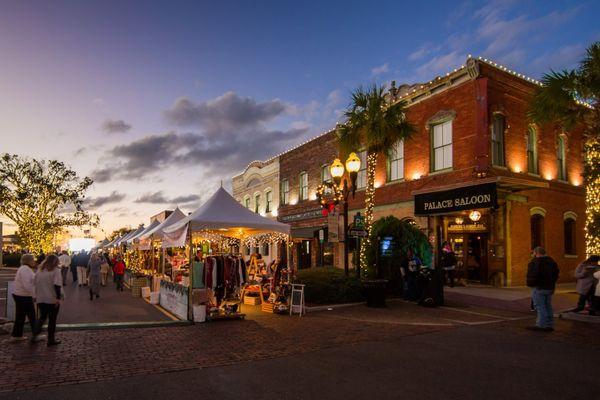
(219, 276)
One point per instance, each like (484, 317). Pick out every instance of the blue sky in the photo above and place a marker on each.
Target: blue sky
(185, 94)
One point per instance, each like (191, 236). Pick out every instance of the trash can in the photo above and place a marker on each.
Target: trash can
(375, 291)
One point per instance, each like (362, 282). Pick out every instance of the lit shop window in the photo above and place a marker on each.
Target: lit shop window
(396, 162)
(532, 156)
(285, 192)
(303, 186)
(361, 178)
(498, 127)
(441, 151)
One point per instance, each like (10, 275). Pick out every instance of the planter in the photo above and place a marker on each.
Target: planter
(375, 290)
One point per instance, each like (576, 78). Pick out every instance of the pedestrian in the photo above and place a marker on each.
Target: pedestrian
(104, 267)
(82, 264)
(23, 294)
(119, 271)
(48, 290)
(94, 275)
(40, 258)
(448, 263)
(74, 261)
(542, 274)
(595, 309)
(585, 281)
(65, 264)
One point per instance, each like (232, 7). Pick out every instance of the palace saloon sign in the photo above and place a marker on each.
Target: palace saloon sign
(467, 198)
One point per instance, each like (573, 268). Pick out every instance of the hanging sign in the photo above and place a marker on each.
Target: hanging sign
(333, 222)
(318, 212)
(466, 198)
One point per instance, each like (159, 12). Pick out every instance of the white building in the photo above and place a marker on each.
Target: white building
(257, 188)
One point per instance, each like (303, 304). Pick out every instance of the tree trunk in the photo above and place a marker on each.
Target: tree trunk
(369, 202)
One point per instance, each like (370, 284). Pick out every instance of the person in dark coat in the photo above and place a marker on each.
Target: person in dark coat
(74, 261)
(542, 274)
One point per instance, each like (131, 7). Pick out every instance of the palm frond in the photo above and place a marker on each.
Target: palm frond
(555, 100)
(590, 74)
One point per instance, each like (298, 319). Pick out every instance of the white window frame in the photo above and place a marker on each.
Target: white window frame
(361, 177)
(561, 158)
(268, 201)
(532, 151)
(442, 146)
(303, 186)
(284, 188)
(498, 155)
(396, 162)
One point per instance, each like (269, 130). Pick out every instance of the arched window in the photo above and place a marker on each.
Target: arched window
(569, 225)
(498, 127)
(532, 155)
(561, 158)
(537, 230)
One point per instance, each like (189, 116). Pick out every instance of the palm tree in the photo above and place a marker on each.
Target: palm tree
(571, 98)
(374, 124)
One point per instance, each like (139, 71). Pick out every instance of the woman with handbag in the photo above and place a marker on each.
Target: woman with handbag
(48, 289)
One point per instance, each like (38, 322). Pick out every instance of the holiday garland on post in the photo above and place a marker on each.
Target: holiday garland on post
(369, 203)
(592, 196)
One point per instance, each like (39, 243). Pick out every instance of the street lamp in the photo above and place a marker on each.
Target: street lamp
(341, 192)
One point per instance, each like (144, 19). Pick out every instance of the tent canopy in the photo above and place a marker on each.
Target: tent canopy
(133, 235)
(158, 230)
(223, 214)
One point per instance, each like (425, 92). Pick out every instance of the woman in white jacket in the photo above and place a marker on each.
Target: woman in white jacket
(23, 294)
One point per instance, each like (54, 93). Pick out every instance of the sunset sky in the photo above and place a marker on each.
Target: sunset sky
(160, 101)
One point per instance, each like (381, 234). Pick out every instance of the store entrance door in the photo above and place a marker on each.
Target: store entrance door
(471, 252)
(304, 255)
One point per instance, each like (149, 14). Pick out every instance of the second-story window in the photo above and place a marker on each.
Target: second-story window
(325, 173)
(269, 200)
(256, 203)
(441, 151)
(561, 154)
(284, 192)
(361, 178)
(532, 156)
(498, 127)
(247, 202)
(396, 162)
(303, 179)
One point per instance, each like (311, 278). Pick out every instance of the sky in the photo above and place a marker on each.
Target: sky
(160, 101)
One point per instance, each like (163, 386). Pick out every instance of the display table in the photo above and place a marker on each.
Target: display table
(174, 298)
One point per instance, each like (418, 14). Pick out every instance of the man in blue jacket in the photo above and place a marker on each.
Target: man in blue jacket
(542, 274)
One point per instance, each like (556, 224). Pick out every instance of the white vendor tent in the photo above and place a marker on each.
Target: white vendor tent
(225, 216)
(158, 232)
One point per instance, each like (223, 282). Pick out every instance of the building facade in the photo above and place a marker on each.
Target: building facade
(257, 189)
(476, 174)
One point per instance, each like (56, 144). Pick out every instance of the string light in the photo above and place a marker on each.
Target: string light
(592, 196)
(265, 238)
(369, 203)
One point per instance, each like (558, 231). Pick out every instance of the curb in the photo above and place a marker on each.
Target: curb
(591, 319)
(332, 306)
(113, 325)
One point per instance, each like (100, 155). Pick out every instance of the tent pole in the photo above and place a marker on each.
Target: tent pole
(191, 278)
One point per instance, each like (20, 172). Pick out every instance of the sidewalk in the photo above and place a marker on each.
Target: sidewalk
(513, 299)
(112, 306)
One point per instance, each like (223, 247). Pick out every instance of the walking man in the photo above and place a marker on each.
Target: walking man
(65, 264)
(542, 274)
(82, 264)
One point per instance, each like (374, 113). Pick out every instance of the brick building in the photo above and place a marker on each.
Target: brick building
(475, 150)
(476, 174)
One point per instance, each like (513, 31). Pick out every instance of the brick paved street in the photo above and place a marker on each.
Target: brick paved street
(117, 354)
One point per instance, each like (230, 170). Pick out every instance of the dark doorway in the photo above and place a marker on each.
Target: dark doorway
(304, 254)
(471, 254)
(537, 231)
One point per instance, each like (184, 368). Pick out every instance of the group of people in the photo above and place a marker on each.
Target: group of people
(40, 282)
(542, 275)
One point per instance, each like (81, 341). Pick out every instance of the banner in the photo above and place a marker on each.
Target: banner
(174, 298)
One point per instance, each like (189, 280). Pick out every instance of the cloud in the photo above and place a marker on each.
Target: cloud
(115, 126)
(418, 54)
(228, 111)
(96, 202)
(159, 198)
(98, 101)
(382, 69)
(440, 64)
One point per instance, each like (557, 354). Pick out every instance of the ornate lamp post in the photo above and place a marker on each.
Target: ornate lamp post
(341, 191)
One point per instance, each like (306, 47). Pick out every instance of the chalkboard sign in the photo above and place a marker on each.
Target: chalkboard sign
(387, 246)
(297, 300)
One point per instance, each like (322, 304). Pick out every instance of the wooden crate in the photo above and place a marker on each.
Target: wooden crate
(251, 300)
(268, 307)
